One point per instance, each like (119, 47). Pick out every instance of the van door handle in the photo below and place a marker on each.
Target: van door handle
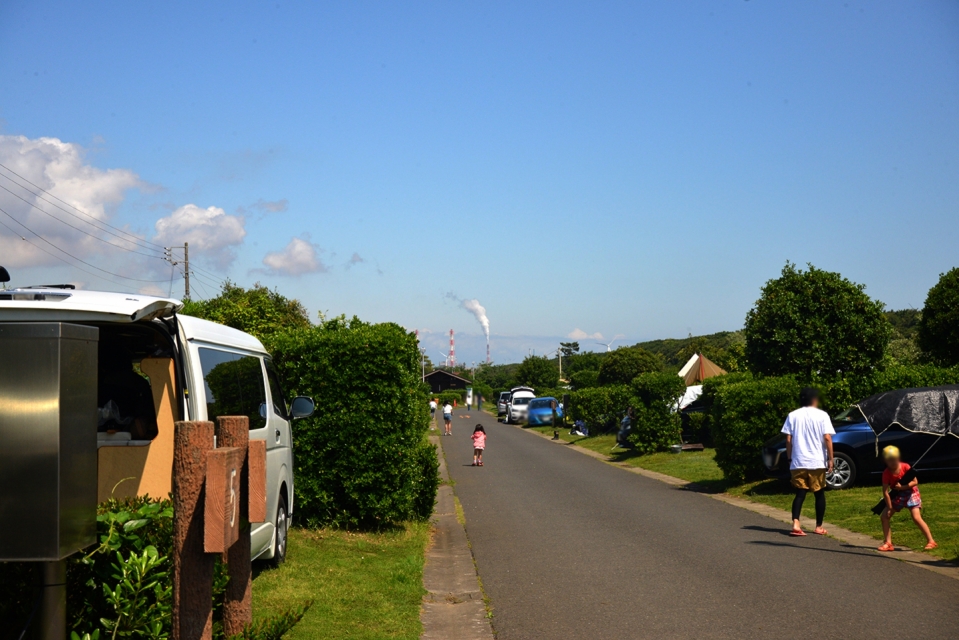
(277, 435)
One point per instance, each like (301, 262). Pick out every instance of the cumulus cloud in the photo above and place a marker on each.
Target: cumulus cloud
(60, 169)
(579, 334)
(299, 257)
(212, 233)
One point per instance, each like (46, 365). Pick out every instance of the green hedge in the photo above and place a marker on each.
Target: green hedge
(656, 425)
(600, 407)
(744, 415)
(363, 459)
(457, 396)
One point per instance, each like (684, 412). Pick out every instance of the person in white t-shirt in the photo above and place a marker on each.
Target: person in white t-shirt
(809, 435)
(432, 411)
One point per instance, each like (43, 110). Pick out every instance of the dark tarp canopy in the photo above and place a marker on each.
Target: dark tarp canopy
(932, 410)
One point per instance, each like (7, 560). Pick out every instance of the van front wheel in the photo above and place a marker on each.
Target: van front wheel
(280, 533)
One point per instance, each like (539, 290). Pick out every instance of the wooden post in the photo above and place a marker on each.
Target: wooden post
(234, 431)
(192, 568)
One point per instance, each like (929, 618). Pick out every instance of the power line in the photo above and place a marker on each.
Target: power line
(135, 239)
(40, 237)
(95, 237)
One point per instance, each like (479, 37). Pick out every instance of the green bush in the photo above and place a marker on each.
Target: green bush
(584, 379)
(746, 414)
(361, 460)
(656, 425)
(939, 324)
(624, 364)
(456, 397)
(537, 371)
(600, 407)
(809, 323)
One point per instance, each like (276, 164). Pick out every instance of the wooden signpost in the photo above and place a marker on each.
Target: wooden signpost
(216, 494)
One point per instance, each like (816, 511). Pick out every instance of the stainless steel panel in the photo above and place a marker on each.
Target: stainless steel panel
(48, 468)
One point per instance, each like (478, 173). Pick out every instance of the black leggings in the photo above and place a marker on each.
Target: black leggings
(820, 504)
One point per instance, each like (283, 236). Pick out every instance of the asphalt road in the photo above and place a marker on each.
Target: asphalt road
(569, 547)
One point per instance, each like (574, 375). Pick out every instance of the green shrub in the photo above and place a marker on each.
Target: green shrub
(456, 397)
(584, 379)
(600, 407)
(360, 460)
(814, 322)
(624, 364)
(656, 425)
(939, 324)
(748, 413)
(537, 371)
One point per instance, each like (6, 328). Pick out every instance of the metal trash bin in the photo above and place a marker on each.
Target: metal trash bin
(48, 440)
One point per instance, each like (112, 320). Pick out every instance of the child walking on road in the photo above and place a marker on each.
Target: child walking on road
(448, 419)
(479, 443)
(900, 496)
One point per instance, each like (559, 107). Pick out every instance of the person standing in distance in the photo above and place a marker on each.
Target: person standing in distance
(448, 418)
(809, 435)
(433, 413)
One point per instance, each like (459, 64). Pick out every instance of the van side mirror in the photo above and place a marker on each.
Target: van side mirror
(302, 407)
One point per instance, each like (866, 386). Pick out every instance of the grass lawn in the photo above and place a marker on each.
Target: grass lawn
(849, 509)
(364, 586)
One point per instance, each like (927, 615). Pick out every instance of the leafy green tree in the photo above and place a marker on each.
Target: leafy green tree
(815, 324)
(624, 364)
(584, 379)
(589, 360)
(939, 326)
(568, 348)
(259, 311)
(538, 372)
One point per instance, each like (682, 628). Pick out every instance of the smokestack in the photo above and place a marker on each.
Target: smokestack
(487, 352)
(452, 351)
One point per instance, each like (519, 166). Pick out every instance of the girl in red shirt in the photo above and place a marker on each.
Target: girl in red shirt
(479, 443)
(900, 496)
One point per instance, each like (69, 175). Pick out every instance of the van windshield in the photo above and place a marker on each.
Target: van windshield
(521, 401)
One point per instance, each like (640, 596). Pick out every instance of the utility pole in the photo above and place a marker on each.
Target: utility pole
(168, 254)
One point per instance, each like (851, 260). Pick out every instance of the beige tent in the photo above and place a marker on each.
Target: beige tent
(698, 369)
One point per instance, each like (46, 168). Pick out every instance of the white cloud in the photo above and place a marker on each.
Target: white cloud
(59, 168)
(579, 334)
(212, 233)
(297, 258)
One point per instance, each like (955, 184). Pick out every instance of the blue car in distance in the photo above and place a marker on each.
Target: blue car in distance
(540, 412)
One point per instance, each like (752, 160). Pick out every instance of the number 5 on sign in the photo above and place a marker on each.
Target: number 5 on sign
(220, 522)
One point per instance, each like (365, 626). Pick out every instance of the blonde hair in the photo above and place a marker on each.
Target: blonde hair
(890, 453)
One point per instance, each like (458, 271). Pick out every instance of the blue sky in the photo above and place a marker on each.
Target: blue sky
(634, 169)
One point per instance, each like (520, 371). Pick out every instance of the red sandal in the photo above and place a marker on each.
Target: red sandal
(886, 547)
(797, 533)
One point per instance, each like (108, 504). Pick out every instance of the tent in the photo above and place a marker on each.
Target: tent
(698, 369)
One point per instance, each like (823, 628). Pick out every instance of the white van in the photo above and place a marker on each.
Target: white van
(156, 367)
(517, 408)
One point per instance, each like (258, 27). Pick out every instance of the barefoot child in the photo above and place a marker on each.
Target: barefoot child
(479, 443)
(899, 497)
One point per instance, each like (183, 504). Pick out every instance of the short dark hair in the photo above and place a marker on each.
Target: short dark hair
(808, 395)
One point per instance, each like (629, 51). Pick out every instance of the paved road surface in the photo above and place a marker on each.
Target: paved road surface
(569, 547)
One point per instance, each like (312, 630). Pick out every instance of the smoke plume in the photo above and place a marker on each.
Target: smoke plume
(474, 307)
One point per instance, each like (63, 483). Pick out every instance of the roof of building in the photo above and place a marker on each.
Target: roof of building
(449, 373)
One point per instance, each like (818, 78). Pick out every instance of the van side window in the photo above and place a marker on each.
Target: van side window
(234, 386)
(279, 400)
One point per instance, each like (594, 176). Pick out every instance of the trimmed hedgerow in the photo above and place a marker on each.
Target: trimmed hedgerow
(600, 407)
(363, 459)
(656, 424)
(744, 415)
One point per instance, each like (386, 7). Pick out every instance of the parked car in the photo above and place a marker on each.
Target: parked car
(195, 370)
(502, 404)
(519, 398)
(539, 412)
(855, 452)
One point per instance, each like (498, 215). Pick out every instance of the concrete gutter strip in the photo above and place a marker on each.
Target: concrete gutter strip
(454, 608)
(851, 538)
